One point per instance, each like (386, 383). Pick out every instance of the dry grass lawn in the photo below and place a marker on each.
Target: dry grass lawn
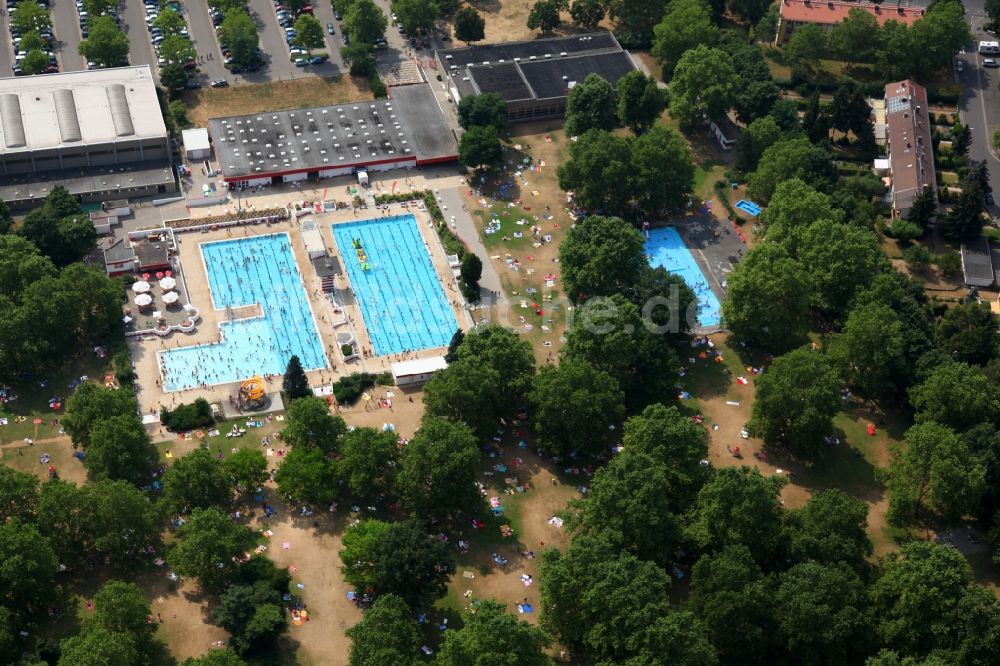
(274, 96)
(507, 20)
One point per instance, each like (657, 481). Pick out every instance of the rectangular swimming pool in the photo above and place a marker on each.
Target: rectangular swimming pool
(665, 248)
(403, 302)
(246, 271)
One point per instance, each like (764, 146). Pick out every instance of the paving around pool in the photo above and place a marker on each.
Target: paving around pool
(255, 271)
(666, 249)
(402, 301)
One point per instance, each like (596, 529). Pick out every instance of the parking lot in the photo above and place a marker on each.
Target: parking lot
(6, 57)
(140, 51)
(66, 26)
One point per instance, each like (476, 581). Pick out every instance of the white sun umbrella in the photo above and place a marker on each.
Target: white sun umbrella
(168, 283)
(140, 287)
(142, 300)
(170, 297)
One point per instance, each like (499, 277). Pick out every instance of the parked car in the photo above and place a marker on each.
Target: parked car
(990, 62)
(337, 15)
(221, 83)
(329, 29)
(300, 62)
(317, 60)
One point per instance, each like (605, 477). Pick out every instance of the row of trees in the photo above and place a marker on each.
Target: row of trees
(53, 307)
(897, 50)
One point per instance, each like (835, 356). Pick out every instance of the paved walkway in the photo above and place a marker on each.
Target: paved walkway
(464, 226)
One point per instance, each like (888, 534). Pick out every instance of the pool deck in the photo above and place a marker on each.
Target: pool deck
(144, 350)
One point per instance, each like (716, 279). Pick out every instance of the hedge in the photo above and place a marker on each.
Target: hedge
(197, 414)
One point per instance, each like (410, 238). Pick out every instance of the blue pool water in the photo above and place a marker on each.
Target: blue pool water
(748, 207)
(401, 298)
(258, 270)
(665, 248)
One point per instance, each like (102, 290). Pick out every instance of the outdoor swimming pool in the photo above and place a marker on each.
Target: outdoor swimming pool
(403, 302)
(665, 248)
(258, 270)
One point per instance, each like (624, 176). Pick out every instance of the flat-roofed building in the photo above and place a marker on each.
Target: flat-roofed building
(911, 152)
(99, 133)
(534, 77)
(796, 13)
(406, 130)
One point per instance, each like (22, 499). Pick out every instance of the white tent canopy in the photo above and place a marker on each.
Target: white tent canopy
(170, 297)
(168, 283)
(142, 300)
(140, 287)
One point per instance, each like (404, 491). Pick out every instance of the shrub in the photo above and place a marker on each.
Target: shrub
(377, 86)
(905, 231)
(187, 416)
(917, 257)
(348, 389)
(949, 263)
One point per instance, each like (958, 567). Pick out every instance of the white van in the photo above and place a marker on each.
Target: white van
(989, 48)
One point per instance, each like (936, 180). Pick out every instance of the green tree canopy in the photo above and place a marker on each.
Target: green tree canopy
(480, 147)
(822, 610)
(27, 568)
(387, 635)
(591, 105)
(365, 22)
(739, 506)
(205, 547)
(492, 636)
(247, 612)
(105, 44)
(415, 15)
(675, 441)
(484, 109)
(662, 170)
(295, 383)
(796, 400)
(640, 101)
(611, 335)
(855, 39)
(240, 34)
(410, 563)
(197, 481)
(120, 448)
(246, 470)
(686, 24)
(794, 207)
(169, 22)
(870, 350)
(438, 470)
(956, 395)
(470, 26)
(587, 13)
(768, 299)
(703, 86)
(935, 471)
(734, 600)
(18, 494)
(92, 403)
(307, 476)
(464, 392)
(508, 355)
(216, 658)
(100, 647)
(601, 256)
(601, 601)
(358, 555)
(830, 529)
(571, 393)
(311, 426)
(28, 16)
(968, 333)
(544, 15)
(917, 595)
(368, 461)
(791, 158)
(755, 138)
(598, 166)
(629, 504)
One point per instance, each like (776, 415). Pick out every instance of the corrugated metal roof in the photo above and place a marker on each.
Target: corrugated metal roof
(121, 115)
(69, 122)
(10, 119)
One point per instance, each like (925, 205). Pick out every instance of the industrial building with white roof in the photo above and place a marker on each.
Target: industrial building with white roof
(99, 133)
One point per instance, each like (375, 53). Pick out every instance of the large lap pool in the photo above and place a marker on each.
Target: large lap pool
(403, 302)
(665, 248)
(258, 270)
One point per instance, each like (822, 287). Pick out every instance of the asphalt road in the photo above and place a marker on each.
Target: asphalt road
(203, 36)
(66, 27)
(6, 57)
(140, 50)
(272, 41)
(979, 106)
